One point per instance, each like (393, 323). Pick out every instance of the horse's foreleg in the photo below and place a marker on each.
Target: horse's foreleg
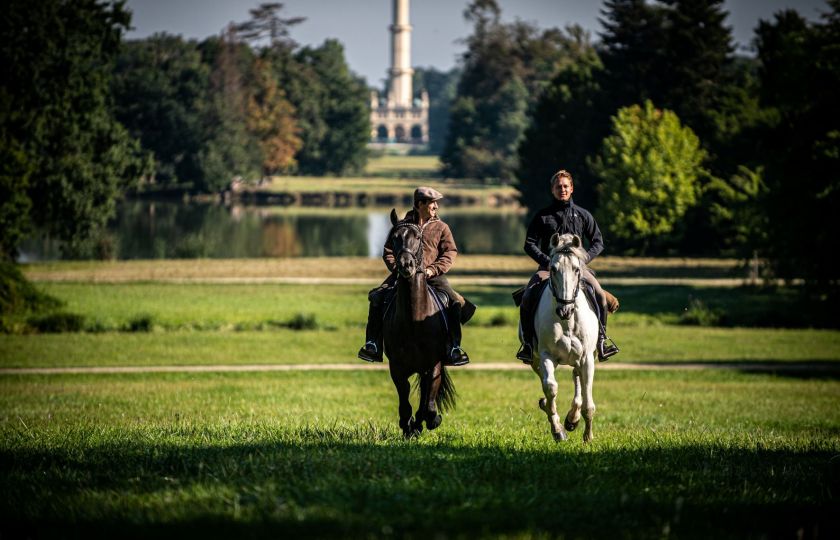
(587, 378)
(549, 403)
(573, 417)
(403, 391)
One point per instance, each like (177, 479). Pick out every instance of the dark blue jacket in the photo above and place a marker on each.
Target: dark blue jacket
(561, 217)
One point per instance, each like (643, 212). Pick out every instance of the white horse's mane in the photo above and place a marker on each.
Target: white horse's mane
(567, 244)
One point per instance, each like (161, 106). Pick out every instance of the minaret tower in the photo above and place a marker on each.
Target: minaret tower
(401, 94)
(399, 119)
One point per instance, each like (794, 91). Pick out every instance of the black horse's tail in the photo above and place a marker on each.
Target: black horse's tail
(447, 394)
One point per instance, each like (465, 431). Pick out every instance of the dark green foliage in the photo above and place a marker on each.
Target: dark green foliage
(333, 104)
(698, 314)
(60, 141)
(799, 74)
(160, 86)
(19, 296)
(141, 323)
(505, 69)
(567, 127)
(303, 321)
(60, 321)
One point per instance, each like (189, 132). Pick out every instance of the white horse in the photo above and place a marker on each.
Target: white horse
(567, 333)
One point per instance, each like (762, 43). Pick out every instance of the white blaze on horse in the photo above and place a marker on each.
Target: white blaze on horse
(567, 333)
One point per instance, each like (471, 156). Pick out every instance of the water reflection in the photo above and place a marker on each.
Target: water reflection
(157, 230)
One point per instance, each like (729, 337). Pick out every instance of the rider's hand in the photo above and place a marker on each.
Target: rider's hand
(428, 272)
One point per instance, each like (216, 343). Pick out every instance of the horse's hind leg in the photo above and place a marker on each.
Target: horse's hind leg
(549, 403)
(403, 390)
(429, 388)
(573, 417)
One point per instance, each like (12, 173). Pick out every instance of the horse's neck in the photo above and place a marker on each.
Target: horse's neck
(413, 297)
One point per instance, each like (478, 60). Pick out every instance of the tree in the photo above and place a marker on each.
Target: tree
(566, 128)
(505, 69)
(61, 147)
(271, 118)
(160, 88)
(650, 165)
(799, 73)
(335, 137)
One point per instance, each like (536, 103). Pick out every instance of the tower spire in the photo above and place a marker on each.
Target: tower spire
(401, 92)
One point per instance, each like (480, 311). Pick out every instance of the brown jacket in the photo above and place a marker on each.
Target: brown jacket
(439, 250)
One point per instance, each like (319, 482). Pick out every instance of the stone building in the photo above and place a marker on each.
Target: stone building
(400, 118)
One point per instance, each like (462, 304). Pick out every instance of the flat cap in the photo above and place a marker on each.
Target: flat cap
(424, 193)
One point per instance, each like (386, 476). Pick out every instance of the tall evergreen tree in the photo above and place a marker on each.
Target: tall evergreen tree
(800, 72)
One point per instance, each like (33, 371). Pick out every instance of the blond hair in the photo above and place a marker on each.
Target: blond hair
(562, 173)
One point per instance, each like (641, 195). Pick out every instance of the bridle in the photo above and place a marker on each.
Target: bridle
(416, 255)
(563, 301)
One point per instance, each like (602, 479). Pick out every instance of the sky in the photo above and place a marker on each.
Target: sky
(438, 25)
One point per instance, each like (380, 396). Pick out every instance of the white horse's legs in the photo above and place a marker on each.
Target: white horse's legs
(549, 403)
(587, 378)
(573, 416)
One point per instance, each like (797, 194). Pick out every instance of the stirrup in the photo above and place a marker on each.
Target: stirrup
(457, 357)
(369, 355)
(525, 354)
(605, 351)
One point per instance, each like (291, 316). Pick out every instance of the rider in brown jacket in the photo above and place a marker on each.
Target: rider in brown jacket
(439, 252)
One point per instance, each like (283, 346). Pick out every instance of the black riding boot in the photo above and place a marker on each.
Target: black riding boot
(526, 319)
(457, 356)
(606, 346)
(372, 349)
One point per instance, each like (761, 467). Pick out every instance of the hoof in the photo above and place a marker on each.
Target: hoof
(569, 425)
(560, 436)
(434, 422)
(413, 429)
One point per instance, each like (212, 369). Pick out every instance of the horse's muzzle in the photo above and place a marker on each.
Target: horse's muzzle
(565, 311)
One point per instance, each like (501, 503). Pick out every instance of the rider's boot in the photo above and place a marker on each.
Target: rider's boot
(371, 351)
(526, 320)
(606, 346)
(457, 356)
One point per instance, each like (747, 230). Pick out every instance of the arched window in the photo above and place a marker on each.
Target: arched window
(382, 133)
(416, 133)
(399, 133)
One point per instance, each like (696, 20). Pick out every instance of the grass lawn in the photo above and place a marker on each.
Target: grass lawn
(684, 454)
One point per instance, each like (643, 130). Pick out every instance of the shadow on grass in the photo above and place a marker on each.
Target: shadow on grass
(333, 485)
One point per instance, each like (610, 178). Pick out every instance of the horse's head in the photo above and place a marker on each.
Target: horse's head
(564, 280)
(407, 242)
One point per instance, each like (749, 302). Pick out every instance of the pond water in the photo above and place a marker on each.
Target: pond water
(157, 230)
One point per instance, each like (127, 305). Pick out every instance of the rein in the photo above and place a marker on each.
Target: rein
(557, 298)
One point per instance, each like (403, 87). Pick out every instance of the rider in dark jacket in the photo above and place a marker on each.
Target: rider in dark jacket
(563, 216)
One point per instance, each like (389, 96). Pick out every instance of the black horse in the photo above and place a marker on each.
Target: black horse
(415, 334)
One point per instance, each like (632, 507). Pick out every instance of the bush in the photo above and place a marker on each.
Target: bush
(303, 321)
(140, 323)
(19, 296)
(57, 322)
(698, 314)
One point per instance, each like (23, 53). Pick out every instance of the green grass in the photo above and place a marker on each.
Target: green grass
(688, 454)
(484, 344)
(247, 324)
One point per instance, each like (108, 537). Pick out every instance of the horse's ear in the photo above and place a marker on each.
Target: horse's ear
(394, 218)
(555, 241)
(576, 241)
